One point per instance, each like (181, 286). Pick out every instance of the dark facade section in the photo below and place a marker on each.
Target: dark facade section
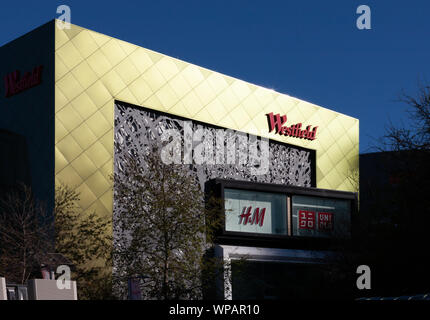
(14, 164)
(27, 112)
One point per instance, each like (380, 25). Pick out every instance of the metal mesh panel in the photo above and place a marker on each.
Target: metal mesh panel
(136, 129)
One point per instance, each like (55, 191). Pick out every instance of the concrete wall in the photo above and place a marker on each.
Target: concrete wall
(3, 295)
(45, 289)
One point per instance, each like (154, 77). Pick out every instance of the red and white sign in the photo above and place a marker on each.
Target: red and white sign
(307, 220)
(325, 221)
(15, 84)
(276, 122)
(257, 216)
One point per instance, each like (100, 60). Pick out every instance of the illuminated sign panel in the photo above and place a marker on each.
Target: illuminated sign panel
(255, 212)
(321, 217)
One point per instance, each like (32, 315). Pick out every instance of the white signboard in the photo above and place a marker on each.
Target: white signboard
(255, 212)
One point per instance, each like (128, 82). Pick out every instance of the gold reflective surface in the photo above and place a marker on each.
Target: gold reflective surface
(93, 69)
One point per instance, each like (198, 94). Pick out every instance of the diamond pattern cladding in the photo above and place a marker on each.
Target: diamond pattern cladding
(94, 69)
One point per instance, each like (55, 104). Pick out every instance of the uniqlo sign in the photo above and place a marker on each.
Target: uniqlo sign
(307, 220)
(325, 221)
(321, 217)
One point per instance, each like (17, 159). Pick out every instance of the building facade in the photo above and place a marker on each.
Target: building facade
(74, 100)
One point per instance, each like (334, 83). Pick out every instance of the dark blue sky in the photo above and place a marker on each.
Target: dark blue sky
(311, 50)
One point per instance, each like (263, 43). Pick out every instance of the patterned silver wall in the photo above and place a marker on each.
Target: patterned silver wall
(136, 128)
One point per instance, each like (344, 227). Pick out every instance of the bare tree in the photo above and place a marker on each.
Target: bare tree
(398, 206)
(415, 136)
(24, 234)
(30, 234)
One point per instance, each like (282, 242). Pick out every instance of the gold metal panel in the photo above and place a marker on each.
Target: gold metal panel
(228, 99)
(68, 176)
(140, 89)
(60, 161)
(73, 32)
(107, 170)
(240, 117)
(106, 200)
(69, 117)
(113, 52)
(192, 103)
(154, 78)
(180, 85)
(192, 75)
(205, 92)
(97, 206)
(204, 115)
(98, 124)
(60, 130)
(155, 103)
(107, 112)
(107, 141)
(167, 68)
(60, 99)
(98, 94)
(84, 166)
(167, 96)
(60, 38)
(216, 110)
(99, 38)
(87, 196)
(69, 55)
(99, 154)
(127, 95)
(84, 106)
(127, 71)
(217, 82)
(85, 43)
(240, 89)
(69, 86)
(93, 69)
(141, 60)
(97, 183)
(84, 136)
(113, 82)
(179, 109)
(60, 68)
(99, 63)
(84, 74)
(69, 148)
(127, 47)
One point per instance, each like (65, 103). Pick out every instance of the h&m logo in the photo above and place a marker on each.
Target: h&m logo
(257, 217)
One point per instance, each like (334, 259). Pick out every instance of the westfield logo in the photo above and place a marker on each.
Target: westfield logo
(276, 122)
(15, 84)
